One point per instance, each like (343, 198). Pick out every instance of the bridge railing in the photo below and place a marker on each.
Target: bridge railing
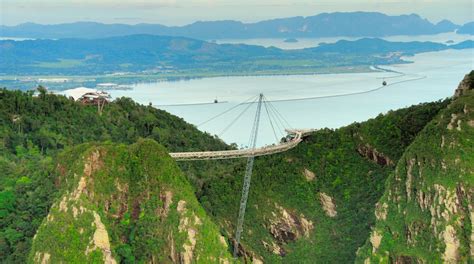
(242, 153)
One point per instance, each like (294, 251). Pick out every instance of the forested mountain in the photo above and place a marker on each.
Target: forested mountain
(181, 56)
(315, 202)
(34, 129)
(355, 24)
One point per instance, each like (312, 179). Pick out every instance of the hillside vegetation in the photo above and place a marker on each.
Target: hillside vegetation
(426, 212)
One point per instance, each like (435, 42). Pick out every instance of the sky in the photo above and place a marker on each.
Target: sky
(180, 12)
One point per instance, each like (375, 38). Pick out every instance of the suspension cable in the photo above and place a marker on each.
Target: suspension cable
(279, 114)
(270, 119)
(237, 118)
(278, 122)
(226, 111)
(284, 124)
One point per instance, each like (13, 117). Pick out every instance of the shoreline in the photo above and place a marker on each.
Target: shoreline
(74, 81)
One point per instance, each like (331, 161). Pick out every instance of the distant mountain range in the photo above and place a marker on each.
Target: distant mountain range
(354, 24)
(467, 29)
(138, 53)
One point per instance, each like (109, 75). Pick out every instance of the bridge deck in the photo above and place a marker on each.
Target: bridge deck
(242, 153)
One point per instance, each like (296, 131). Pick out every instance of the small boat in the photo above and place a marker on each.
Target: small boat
(384, 83)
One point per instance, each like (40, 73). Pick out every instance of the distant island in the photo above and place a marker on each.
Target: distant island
(290, 40)
(352, 24)
(129, 59)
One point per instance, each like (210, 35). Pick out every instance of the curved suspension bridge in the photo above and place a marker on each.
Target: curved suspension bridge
(295, 137)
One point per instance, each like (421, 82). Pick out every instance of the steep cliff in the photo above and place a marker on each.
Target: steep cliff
(125, 204)
(426, 213)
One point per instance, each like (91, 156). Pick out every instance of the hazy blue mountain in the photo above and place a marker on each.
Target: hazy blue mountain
(468, 44)
(356, 24)
(467, 28)
(136, 53)
(446, 26)
(379, 46)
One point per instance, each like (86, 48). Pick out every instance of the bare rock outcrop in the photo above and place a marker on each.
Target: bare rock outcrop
(286, 226)
(372, 154)
(42, 257)
(274, 248)
(309, 175)
(187, 224)
(452, 244)
(328, 205)
(452, 123)
(101, 241)
(375, 240)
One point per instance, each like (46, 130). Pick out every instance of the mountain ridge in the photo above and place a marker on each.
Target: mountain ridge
(467, 29)
(355, 24)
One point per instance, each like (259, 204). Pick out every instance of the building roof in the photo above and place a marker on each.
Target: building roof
(78, 92)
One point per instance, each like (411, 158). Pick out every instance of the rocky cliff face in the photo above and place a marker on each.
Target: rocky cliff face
(125, 204)
(466, 85)
(427, 211)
